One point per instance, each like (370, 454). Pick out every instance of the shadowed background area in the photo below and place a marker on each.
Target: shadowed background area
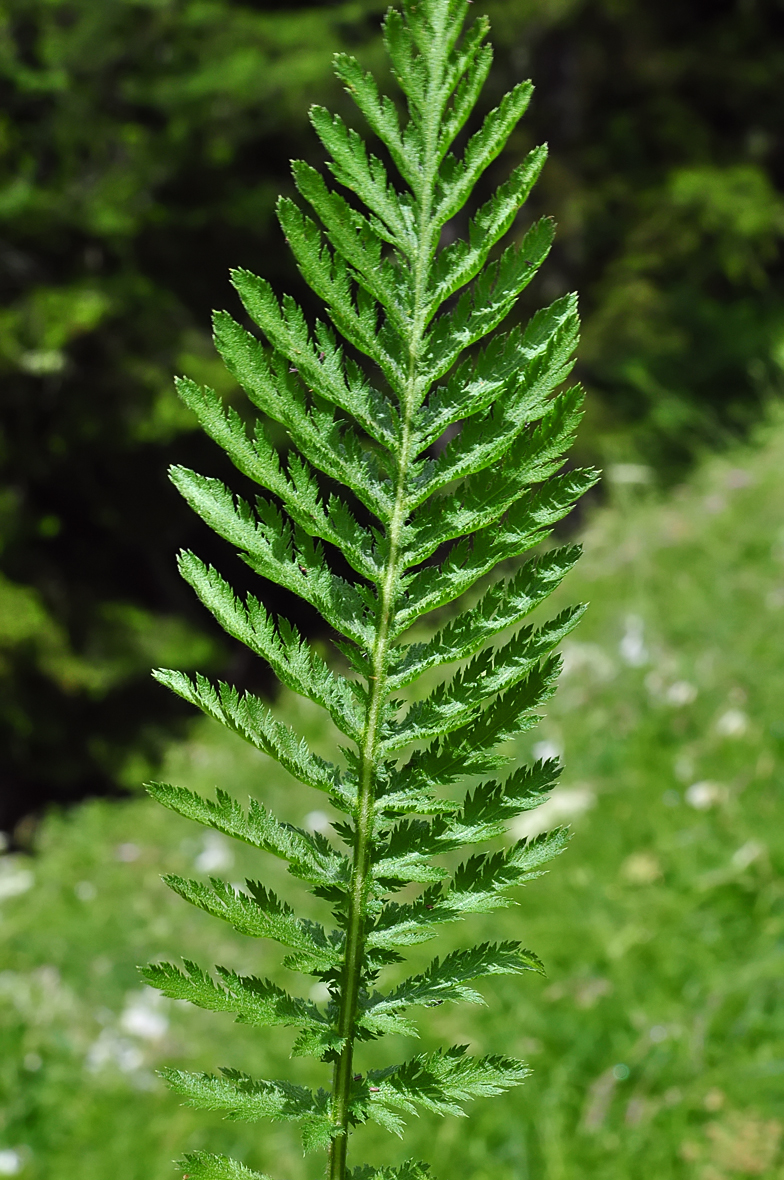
(143, 145)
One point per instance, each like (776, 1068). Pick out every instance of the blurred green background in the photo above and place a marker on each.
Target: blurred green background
(142, 145)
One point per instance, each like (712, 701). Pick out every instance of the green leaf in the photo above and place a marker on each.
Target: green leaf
(318, 360)
(318, 1129)
(260, 914)
(199, 1165)
(298, 487)
(246, 715)
(486, 437)
(403, 852)
(278, 550)
(318, 1041)
(381, 115)
(364, 174)
(311, 857)
(469, 750)
(437, 1082)
(493, 671)
(291, 658)
(486, 303)
(446, 980)
(409, 67)
(500, 370)
(355, 239)
(481, 150)
(504, 605)
(374, 1024)
(486, 808)
(479, 881)
(257, 1002)
(328, 443)
(242, 1097)
(438, 453)
(525, 525)
(410, 923)
(467, 73)
(410, 1170)
(528, 855)
(484, 497)
(462, 260)
(477, 887)
(328, 274)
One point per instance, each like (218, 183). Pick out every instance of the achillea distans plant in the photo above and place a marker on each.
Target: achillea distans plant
(492, 493)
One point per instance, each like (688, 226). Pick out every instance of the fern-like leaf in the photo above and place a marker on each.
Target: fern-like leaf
(408, 475)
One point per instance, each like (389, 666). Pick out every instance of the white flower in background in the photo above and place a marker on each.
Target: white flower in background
(142, 1017)
(774, 599)
(632, 646)
(738, 477)
(704, 795)
(563, 806)
(683, 767)
(546, 751)
(112, 1049)
(127, 853)
(215, 855)
(11, 1162)
(629, 473)
(681, 693)
(747, 853)
(587, 658)
(14, 880)
(641, 868)
(733, 723)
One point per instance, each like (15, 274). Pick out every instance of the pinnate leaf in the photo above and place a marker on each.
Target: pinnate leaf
(437, 449)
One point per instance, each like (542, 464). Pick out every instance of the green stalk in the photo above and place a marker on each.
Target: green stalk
(355, 933)
(355, 936)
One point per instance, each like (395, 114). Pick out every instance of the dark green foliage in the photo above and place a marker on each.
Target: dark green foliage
(663, 123)
(139, 145)
(491, 493)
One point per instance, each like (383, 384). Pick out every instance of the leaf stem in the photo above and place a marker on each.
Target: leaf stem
(410, 398)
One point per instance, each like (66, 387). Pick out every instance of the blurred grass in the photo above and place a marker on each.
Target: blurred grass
(657, 1039)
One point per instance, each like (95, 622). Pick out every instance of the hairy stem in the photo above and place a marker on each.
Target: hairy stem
(388, 591)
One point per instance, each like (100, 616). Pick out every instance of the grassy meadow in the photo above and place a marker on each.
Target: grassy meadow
(657, 1037)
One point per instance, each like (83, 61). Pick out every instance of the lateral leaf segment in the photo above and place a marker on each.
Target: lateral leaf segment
(310, 856)
(291, 658)
(255, 1001)
(385, 491)
(247, 1099)
(449, 979)
(200, 1165)
(437, 1082)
